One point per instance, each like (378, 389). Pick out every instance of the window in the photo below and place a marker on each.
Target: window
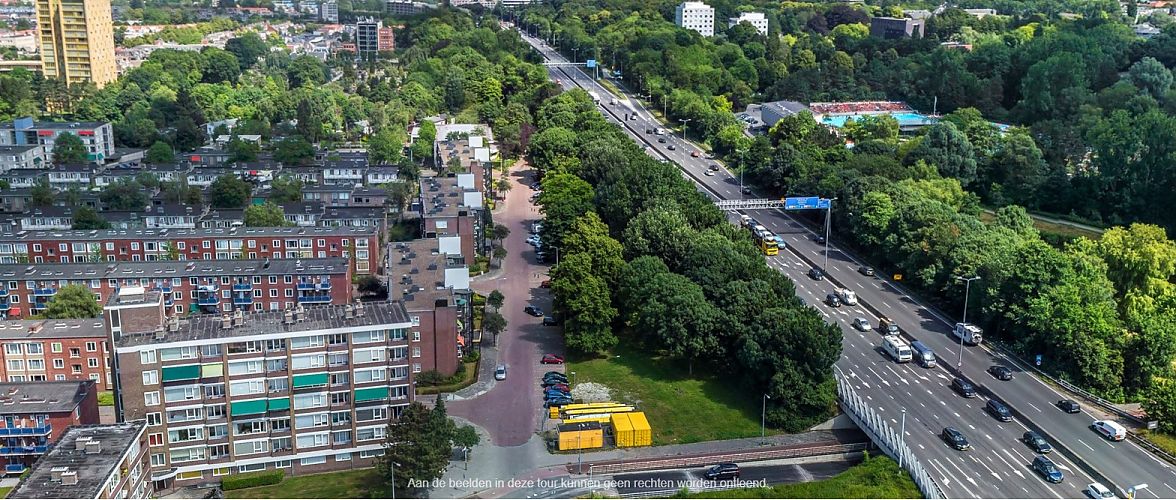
(280, 425)
(339, 359)
(341, 418)
(55, 347)
(368, 414)
(310, 421)
(371, 453)
(150, 377)
(12, 348)
(188, 455)
(155, 439)
(314, 460)
(282, 464)
(223, 471)
(181, 393)
(16, 364)
(369, 433)
(35, 348)
(174, 353)
(256, 386)
(416, 352)
(252, 467)
(214, 391)
(249, 427)
(313, 400)
(304, 342)
(340, 398)
(92, 362)
(37, 364)
(368, 337)
(312, 440)
(342, 457)
(158, 460)
(308, 361)
(369, 355)
(184, 435)
(76, 369)
(245, 367)
(218, 431)
(275, 385)
(416, 367)
(91, 346)
(371, 375)
(281, 444)
(151, 398)
(215, 411)
(147, 357)
(250, 447)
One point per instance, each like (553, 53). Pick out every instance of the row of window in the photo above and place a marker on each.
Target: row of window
(17, 365)
(23, 248)
(185, 393)
(159, 459)
(310, 341)
(58, 377)
(17, 348)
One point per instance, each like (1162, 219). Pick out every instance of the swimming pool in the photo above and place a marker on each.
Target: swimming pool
(905, 119)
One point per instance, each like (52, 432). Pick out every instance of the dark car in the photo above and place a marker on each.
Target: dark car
(721, 472)
(1036, 442)
(833, 300)
(557, 402)
(551, 359)
(552, 392)
(999, 411)
(713, 168)
(533, 311)
(866, 270)
(955, 438)
(816, 274)
(545, 284)
(746, 190)
(559, 387)
(550, 321)
(1000, 372)
(649, 131)
(661, 140)
(555, 379)
(963, 387)
(554, 373)
(671, 147)
(819, 239)
(1069, 406)
(1047, 469)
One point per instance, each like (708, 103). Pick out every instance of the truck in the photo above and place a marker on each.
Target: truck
(659, 131)
(897, 348)
(847, 296)
(595, 97)
(968, 333)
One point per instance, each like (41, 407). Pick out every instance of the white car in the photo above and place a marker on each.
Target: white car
(1110, 430)
(500, 372)
(1097, 490)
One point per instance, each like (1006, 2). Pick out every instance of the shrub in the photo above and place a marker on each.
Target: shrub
(471, 356)
(431, 377)
(252, 480)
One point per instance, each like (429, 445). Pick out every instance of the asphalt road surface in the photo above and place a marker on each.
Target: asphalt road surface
(998, 465)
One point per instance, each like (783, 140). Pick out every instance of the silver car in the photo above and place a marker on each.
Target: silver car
(862, 324)
(500, 372)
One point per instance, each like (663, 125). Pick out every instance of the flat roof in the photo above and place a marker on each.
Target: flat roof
(167, 269)
(154, 233)
(315, 318)
(15, 148)
(441, 196)
(43, 329)
(43, 397)
(93, 469)
(417, 271)
(58, 125)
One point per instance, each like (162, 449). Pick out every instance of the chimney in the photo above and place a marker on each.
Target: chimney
(173, 324)
(348, 311)
(69, 478)
(55, 473)
(359, 308)
(80, 443)
(288, 317)
(238, 317)
(93, 447)
(226, 322)
(300, 313)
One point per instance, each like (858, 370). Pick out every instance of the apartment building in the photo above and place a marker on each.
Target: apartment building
(432, 280)
(367, 36)
(329, 12)
(32, 411)
(696, 16)
(894, 27)
(78, 176)
(756, 19)
(305, 390)
(452, 206)
(56, 350)
(28, 156)
(385, 39)
(97, 136)
(92, 461)
(360, 245)
(77, 41)
(471, 155)
(189, 287)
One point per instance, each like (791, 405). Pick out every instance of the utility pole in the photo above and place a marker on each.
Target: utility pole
(967, 289)
(828, 227)
(901, 438)
(764, 419)
(685, 124)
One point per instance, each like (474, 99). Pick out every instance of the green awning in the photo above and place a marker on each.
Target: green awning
(279, 404)
(185, 372)
(254, 407)
(310, 379)
(371, 394)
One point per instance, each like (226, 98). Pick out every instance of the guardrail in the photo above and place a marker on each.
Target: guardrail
(745, 456)
(885, 437)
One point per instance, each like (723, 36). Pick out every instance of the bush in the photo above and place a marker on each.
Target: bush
(431, 377)
(252, 480)
(471, 356)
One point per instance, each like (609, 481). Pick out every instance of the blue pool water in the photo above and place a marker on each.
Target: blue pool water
(904, 119)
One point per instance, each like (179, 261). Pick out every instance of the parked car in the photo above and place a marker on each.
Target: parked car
(963, 387)
(500, 372)
(554, 373)
(551, 359)
(954, 438)
(1069, 406)
(862, 324)
(552, 380)
(550, 321)
(721, 472)
(557, 402)
(1110, 430)
(553, 392)
(560, 387)
(533, 311)
(1000, 372)
(999, 410)
(1047, 469)
(1098, 491)
(816, 274)
(1036, 442)
(866, 270)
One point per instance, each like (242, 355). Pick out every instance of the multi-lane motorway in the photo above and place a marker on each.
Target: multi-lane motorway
(998, 465)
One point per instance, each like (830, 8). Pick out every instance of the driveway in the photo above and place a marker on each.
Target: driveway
(510, 411)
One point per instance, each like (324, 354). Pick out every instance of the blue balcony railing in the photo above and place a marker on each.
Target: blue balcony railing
(163, 287)
(25, 431)
(308, 285)
(242, 300)
(315, 299)
(242, 286)
(208, 300)
(3, 291)
(23, 450)
(45, 291)
(5, 306)
(14, 468)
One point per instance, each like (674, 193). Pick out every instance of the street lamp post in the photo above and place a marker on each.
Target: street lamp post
(742, 168)
(579, 450)
(764, 419)
(828, 227)
(393, 465)
(575, 54)
(685, 124)
(967, 289)
(573, 379)
(901, 438)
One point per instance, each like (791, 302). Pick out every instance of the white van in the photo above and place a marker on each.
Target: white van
(969, 333)
(1110, 429)
(847, 296)
(897, 348)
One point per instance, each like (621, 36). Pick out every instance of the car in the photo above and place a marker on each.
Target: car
(1047, 469)
(555, 379)
(500, 372)
(551, 359)
(1109, 429)
(714, 167)
(534, 240)
(999, 410)
(559, 387)
(533, 311)
(963, 387)
(671, 147)
(1000, 372)
(535, 186)
(1069, 406)
(545, 284)
(648, 131)
(557, 402)
(746, 190)
(661, 140)
(1097, 490)
(1036, 442)
(816, 274)
(721, 472)
(819, 239)
(862, 324)
(551, 392)
(709, 173)
(954, 438)
(694, 154)
(550, 321)
(833, 300)
(866, 270)
(554, 373)
(710, 156)
(887, 326)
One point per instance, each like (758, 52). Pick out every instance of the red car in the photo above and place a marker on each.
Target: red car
(562, 387)
(551, 359)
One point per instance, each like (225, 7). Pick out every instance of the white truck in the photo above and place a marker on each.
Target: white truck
(658, 131)
(847, 296)
(595, 97)
(897, 348)
(970, 334)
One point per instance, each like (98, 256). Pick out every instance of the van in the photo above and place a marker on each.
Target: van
(963, 387)
(970, 334)
(847, 296)
(1110, 430)
(658, 131)
(896, 348)
(923, 354)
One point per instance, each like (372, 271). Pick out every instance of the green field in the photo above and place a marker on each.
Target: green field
(360, 483)
(1049, 227)
(877, 477)
(106, 398)
(680, 408)
(4, 491)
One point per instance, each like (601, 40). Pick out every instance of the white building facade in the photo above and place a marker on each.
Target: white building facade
(756, 19)
(696, 16)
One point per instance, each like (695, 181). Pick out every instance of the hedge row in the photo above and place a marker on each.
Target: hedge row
(252, 480)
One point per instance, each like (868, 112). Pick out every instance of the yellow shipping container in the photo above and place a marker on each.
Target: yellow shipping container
(623, 429)
(553, 412)
(581, 436)
(642, 432)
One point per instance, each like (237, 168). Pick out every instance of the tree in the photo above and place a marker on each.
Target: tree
(293, 150)
(495, 299)
(228, 191)
(494, 324)
(1160, 405)
(189, 122)
(499, 254)
(947, 149)
(466, 437)
(400, 195)
(42, 193)
(286, 189)
(564, 199)
(590, 236)
(159, 152)
(73, 302)
(124, 194)
(219, 66)
(1151, 76)
(248, 48)
(241, 150)
(417, 448)
(85, 218)
(501, 232)
(306, 70)
(370, 285)
(68, 149)
(587, 305)
(384, 147)
(678, 317)
(264, 215)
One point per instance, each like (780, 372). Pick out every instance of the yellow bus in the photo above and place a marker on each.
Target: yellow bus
(597, 411)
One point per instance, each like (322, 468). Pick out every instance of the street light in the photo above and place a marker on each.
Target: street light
(901, 438)
(742, 168)
(575, 54)
(828, 227)
(764, 419)
(1135, 489)
(967, 289)
(573, 380)
(685, 124)
(579, 450)
(393, 466)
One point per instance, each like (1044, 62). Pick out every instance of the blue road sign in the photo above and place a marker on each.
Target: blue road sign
(1038, 360)
(806, 203)
(591, 63)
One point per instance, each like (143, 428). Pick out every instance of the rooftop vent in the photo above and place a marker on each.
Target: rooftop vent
(226, 322)
(238, 317)
(288, 317)
(70, 478)
(348, 311)
(93, 447)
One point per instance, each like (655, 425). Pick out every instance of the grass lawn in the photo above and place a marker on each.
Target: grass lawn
(4, 491)
(471, 374)
(1165, 441)
(1050, 227)
(680, 408)
(359, 483)
(878, 477)
(106, 398)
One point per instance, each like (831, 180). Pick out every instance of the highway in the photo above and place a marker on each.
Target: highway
(998, 465)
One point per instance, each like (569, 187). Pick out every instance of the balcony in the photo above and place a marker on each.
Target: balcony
(3, 291)
(14, 468)
(163, 287)
(26, 431)
(308, 285)
(207, 299)
(4, 306)
(44, 292)
(315, 298)
(242, 287)
(241, 299)
(23, 450)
